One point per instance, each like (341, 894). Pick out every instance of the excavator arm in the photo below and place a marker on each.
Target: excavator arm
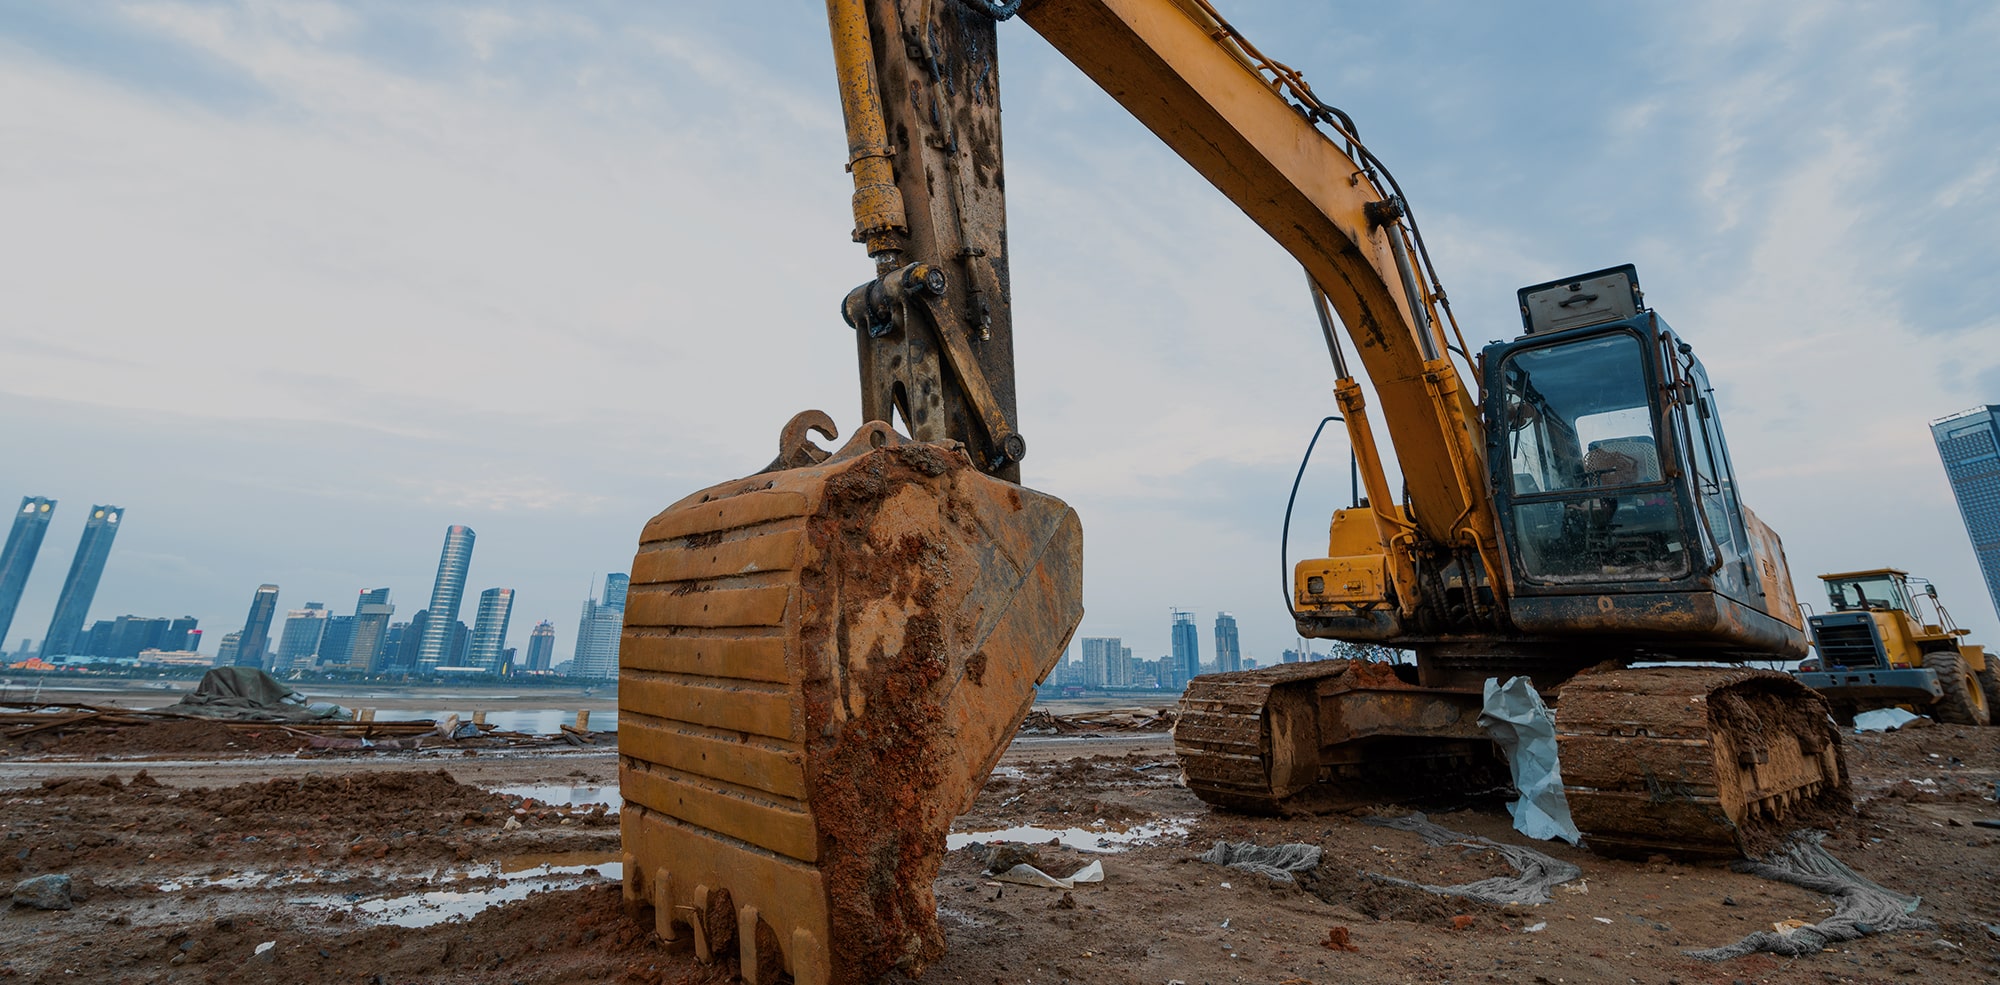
(919, 93)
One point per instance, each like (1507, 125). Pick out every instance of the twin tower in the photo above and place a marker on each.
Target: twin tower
(24, 541)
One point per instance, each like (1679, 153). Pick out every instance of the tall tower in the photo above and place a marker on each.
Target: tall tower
(31, 521)
(371, 631)
(542, 645)
(300, 640)
(1228, 652)
(489, 630)
(81, 586)
(446, 593)
(1969, 443)
(257, 627)
(1187, 649)
(599, 629)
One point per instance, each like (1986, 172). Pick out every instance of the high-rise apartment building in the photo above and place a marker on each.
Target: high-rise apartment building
(436, 646)
(364, 653)
(1107, 662)
(256, 637)
(1969, 443)
(598, 630)
(299, 642)
(1187, 650)
(225, 651)
(489, 630)
(73, 605)
(1228, 652)
(542, 645)
(24, 541)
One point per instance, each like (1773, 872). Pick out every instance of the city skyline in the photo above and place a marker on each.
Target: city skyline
(367, 632)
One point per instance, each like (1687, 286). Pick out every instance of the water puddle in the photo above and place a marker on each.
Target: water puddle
(1100, 836)
(566, 795)
(521, 876)
(546, 864)
(532, 721)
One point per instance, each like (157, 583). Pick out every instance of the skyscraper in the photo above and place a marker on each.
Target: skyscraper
(1187, 650)
(256, 636)
(598, 629)
(300, 640)
(1105, 663)
(81, 586)
(225, 651)
(182, 634)
(436, 645)
(412, 640)
(542, 645)
(1969, 443)
(336, 644)
(489, 629)
(371, 632)
(1228, 654)
(24, 541)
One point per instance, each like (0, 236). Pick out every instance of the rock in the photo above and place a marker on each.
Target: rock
(1006, 856)
(49, 892)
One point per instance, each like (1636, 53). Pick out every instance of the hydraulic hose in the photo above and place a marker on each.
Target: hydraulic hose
(1285, 539)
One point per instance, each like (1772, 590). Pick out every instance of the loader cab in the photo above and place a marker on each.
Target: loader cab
(1612, 478)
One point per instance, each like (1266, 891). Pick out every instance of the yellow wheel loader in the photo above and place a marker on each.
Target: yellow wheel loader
(1877, 647)
(822, 661)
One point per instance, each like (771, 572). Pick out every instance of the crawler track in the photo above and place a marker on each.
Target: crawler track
(1694, 760)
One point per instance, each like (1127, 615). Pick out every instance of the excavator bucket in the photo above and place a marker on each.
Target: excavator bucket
(819, 668)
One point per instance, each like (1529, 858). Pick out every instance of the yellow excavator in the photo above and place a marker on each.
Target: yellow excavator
(823, 661)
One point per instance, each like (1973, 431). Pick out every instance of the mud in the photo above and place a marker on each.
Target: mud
(895, 582)
(270, 861)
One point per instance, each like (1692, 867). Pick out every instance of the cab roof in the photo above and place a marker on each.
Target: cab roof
(1864, 573)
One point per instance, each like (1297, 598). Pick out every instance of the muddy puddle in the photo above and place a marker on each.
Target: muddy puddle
(567, 795)
(1099, 836)
(514, 878)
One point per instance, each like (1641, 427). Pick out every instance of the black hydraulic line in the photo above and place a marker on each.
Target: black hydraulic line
(1285, 539)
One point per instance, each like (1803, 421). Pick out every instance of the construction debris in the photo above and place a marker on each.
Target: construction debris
(1526, 733)
(1860, 907)
(1537, 872)
(1277, 863)
(1040, 722)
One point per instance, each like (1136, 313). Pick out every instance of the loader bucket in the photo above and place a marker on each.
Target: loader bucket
(820, 666)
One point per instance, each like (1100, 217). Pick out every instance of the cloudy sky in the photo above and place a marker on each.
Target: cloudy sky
(301, 284)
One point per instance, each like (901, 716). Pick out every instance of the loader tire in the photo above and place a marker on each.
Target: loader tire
(1989, 685)
(1964, 701)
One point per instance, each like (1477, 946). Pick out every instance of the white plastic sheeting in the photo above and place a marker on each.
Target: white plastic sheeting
(1518, 720)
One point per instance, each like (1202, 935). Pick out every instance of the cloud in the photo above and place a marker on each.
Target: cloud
(302, 283)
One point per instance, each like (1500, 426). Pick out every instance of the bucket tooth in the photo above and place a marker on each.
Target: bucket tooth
(819, 668)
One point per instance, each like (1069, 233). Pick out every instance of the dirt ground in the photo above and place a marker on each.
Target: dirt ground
(188, 862)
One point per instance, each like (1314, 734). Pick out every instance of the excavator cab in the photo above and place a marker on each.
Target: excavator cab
(1613, 482)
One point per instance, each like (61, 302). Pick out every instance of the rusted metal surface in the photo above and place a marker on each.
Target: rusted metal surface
(942, 360)
(1324, 733)
(820, 666)
(1694, 760)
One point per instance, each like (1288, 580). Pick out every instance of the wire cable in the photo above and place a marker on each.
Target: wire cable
(1285, 539)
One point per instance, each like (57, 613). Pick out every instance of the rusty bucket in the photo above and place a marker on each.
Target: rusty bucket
(820, 666)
